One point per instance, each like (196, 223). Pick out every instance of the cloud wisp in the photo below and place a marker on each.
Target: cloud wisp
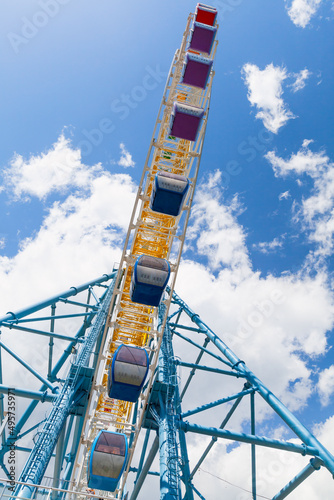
(316, 210)
(300, 80)
(126, 160)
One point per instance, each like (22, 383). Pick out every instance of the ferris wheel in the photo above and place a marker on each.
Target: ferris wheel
(115, 395)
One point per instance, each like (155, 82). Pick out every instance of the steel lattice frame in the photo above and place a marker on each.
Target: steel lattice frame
(79, 405)
(58, 436)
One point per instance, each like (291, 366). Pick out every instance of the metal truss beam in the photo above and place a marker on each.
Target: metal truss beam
(52, 428)
(310, 444)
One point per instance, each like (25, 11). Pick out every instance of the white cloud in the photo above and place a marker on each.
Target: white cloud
(126, 160)
(58, 169)
(284, 196)
(265, 92)
(214, 228)
(79, 240)
(326, 385)
(316, 211)
(269, 246)
(301, 11)
(300, 79)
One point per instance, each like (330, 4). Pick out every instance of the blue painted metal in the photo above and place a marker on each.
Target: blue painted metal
(184, 327)
(70, 457)
(248, 438)
(45, 333)
(212, 354)
(47, 438)
(192, 373)
(29, 368)
(300, 430)
(51, 342)
(104, 473)
(67, 352)
(168, 193)
(214, 439)
(143, 453)
(168, 445)
(48, 318)
(43, 394)
(127, 360)
(196, 366)
(146, 467)
(253, 452)
(10, 316)
(184, 459)
(149, 279)
(80, 304)
(58, 462)
(22, 434)
(314, 465)
(198, 493)
(217, 403)
(24, 393)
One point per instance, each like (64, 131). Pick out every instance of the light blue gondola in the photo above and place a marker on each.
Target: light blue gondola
(168, 194)
(149, 279)
(107, 460)
(127, 373)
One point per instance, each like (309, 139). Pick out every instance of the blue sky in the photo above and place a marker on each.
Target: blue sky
(80, 89)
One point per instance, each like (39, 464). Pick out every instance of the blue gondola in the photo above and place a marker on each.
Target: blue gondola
(168, 193)
(107, 460)
(127, 373)
(149, 279)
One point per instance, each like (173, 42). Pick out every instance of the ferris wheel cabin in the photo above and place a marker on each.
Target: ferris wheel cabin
(169, 192)
(205, 14)
(196, 70)
(127, 373)
(149, 279)
(107, 460)
(185, 121)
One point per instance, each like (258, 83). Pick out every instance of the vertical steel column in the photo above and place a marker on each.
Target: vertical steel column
(58, 462)
(150, 457)
(253, 451)
(51, 342)
(169, 480)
